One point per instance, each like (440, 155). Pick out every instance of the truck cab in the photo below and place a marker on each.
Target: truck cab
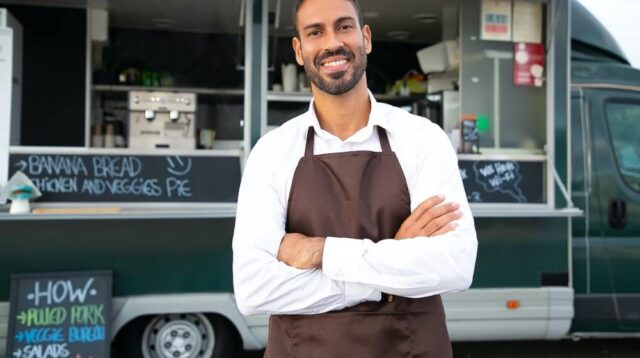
(605, 170)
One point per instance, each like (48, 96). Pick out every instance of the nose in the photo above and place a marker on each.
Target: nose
(333, 41)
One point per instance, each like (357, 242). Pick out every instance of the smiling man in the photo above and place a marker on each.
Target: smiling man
(352, 217)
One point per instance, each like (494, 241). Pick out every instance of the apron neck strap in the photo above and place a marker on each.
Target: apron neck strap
(384, 140)
(308, 151)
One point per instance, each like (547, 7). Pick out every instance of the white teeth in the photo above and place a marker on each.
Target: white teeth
(334, 63)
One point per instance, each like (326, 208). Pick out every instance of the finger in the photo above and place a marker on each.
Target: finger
(409, 228)
(424, 207)
(445, 229)
(435, 213)
(441, 222)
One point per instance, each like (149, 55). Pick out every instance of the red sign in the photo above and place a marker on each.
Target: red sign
(496, 28)
(528, 64)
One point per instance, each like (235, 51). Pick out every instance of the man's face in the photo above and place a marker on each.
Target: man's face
(332, 47)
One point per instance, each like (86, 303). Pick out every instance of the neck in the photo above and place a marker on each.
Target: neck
(345, 114)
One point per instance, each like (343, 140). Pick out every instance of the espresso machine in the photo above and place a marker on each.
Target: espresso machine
(162, 120)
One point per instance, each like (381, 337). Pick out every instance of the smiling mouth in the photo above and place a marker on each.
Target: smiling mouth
(335, 63)
(335, 66)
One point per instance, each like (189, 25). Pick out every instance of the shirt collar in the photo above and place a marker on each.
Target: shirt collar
(376, 118)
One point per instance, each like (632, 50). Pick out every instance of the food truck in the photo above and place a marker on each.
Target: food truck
(134, 121)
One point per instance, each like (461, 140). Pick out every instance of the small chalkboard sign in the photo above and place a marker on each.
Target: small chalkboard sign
(503, 181)
(59, 315)
(470, 137)
(131, 178)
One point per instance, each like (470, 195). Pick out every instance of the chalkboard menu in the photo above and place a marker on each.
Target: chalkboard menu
(503, 181)
(59, 315)
(131, 178)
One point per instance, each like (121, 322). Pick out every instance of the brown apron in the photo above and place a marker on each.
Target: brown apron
(359, 194)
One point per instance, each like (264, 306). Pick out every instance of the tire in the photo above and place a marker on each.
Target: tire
(228, 341)
(126, 343)
(188, 335)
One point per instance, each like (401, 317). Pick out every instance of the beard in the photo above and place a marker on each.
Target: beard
(337, 83)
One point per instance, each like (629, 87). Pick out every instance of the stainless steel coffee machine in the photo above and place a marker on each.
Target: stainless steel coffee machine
(162, 120)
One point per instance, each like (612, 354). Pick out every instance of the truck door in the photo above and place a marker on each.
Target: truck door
(614, 118)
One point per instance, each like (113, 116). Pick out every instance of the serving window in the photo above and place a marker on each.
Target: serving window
(207, 78)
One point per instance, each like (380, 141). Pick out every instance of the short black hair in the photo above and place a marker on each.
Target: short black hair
(298, 5)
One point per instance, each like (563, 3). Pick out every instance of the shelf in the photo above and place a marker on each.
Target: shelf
(204, 91)
(398, 98)
(131, 212)
(306, 97)
(219, 211)
(230, 152)
(271, 95)
(289, 96)
(523, 155)
(521, 211)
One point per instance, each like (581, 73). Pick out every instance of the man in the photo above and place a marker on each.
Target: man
(352, 217)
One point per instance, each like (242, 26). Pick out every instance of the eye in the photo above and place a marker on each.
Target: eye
(313, 33)
(345, 27)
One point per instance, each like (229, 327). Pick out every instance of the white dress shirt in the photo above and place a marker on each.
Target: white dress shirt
(353, 270)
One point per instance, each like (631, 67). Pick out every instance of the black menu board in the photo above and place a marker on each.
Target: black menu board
(131, 178)
(59, 315)
(503, 181)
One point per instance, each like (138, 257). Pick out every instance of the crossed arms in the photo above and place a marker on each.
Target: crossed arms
(429, 219)
(276, 272)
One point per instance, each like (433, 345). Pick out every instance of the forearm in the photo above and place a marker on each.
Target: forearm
(267, 286)
(417, 267)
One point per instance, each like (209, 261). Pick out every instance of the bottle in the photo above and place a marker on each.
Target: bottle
(109, 137)
(97, 139)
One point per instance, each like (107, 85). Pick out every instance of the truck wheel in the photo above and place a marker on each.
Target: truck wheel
(185, 335)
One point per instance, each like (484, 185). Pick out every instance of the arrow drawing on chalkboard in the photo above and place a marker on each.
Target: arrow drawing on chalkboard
(19, 336)
(178, 166)
(17, 353)
(22, 317)
(22, 165)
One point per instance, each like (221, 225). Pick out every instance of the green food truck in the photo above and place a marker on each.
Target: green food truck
(138, 151)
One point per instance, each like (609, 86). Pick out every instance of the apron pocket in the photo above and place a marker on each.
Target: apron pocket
(352, 334)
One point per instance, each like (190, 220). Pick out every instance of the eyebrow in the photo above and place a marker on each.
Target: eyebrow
(320, 25)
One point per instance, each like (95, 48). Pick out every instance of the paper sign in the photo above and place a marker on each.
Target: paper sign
(527, 22)
(496, 20)
(528, 67)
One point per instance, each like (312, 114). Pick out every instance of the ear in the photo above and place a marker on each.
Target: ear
(297, 48)
(366, 33)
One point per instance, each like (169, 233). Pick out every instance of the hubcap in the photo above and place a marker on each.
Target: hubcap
(178, 336)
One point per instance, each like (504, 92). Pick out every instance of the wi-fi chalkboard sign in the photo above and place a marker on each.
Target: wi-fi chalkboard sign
(59, 315)
(131, 178)
(503, 181)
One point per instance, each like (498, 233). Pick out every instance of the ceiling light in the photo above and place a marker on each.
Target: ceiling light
(426, 18)
(398, 35)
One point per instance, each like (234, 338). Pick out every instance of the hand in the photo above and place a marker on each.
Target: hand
(430, 219)
(301, 251)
